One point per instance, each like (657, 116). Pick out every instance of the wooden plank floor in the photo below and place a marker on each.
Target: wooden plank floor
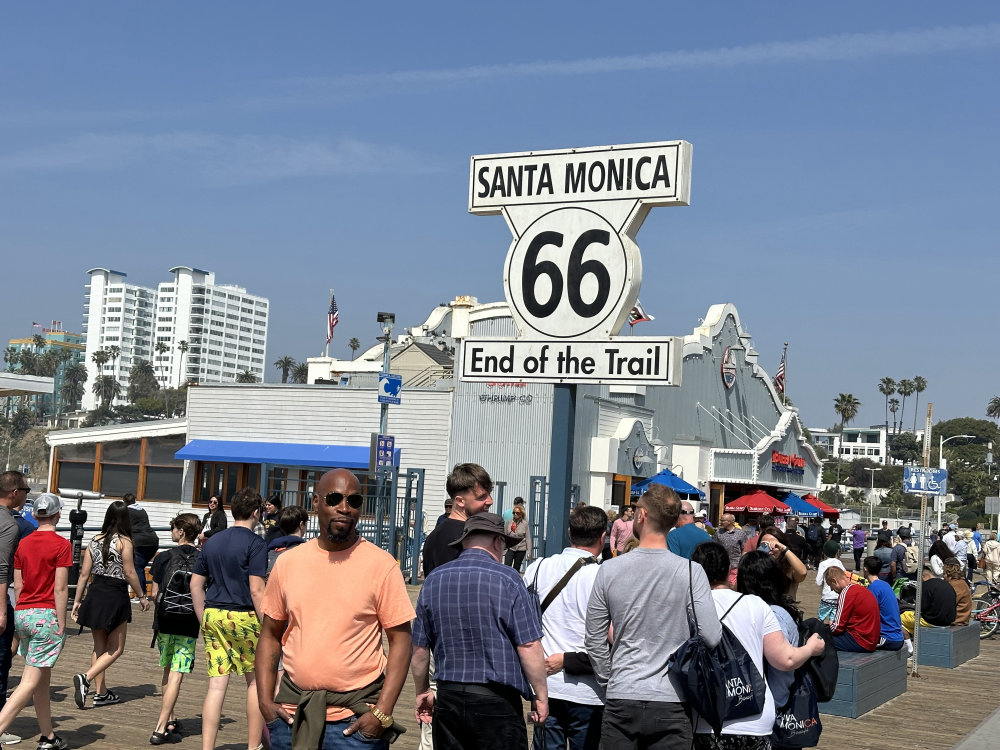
(937, 710)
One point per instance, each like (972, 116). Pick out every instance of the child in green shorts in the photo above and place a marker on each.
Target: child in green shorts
(174, 620)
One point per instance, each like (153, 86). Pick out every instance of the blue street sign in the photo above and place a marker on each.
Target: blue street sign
(919, 481)
(388, 388)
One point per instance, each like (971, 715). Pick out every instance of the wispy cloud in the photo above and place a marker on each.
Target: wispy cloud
(320, 92)
(219, 159)
(837, 48)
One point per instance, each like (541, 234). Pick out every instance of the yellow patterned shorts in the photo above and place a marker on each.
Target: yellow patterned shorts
(230, 641)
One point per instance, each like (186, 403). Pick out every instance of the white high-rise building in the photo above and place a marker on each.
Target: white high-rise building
(224, 328)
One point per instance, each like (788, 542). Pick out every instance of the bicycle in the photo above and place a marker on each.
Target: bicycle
(986, 611)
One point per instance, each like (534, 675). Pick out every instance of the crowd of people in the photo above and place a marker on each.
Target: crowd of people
(585, 635)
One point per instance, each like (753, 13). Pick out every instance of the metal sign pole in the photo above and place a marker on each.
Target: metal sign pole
(923, 525)
(560, 468)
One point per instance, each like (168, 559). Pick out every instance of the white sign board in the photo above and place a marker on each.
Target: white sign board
(657, 173)
(992, 506)
(573, 268)
(634, 360)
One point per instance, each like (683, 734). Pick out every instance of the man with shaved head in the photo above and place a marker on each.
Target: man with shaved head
(330, 600)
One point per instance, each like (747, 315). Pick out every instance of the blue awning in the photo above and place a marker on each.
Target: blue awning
(801, 507)
(670, 479)
(282, 454)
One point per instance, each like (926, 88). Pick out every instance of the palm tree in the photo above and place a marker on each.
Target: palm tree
(39, 341)
(74, 377)
(100, 358)
(107, 389)
(919, 386)
(114, 352)
(182, 347)
(10, 358)
(993, 408)
(846, 405)
(904, 388)
(893, 407)
(246, 376)
(286, 364)
(887, 387)
(355, 345)
(300, 373)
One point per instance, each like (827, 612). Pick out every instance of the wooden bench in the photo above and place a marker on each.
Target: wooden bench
(866, 681)
(948, 647)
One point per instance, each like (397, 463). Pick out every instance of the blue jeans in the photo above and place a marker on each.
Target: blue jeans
(281, 737)
(6, 641)
(573, 725)
(846, 642)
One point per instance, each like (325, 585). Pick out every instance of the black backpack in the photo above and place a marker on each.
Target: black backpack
(174, 603)
(812, 533)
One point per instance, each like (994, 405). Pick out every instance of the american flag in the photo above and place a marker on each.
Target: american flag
(638, 315)
(779, 379)
(332, 318)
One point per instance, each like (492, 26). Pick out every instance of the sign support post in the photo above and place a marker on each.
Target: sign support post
(560, 468)
(923, 526)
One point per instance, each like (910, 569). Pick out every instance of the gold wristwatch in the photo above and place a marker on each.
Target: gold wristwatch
(383, 718)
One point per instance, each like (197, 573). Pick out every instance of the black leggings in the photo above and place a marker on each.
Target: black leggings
(514, 558)
(858, 554)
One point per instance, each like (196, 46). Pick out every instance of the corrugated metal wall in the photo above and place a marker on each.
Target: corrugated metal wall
(329, 416)
(506, 429)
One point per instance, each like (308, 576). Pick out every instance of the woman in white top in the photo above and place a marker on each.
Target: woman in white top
(751, 620)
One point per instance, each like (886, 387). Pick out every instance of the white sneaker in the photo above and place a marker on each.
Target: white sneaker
(7, 738)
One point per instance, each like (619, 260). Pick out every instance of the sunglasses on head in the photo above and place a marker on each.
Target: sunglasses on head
(333, 499)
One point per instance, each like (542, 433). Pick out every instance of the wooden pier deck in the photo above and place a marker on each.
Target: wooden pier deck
(938, 709)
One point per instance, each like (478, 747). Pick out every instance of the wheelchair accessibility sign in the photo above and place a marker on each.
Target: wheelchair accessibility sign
(919, 481)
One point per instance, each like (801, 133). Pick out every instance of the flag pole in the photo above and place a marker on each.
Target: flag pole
(326, 351)
(784, 358)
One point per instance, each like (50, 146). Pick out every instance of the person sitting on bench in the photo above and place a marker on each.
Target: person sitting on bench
(937, 605)
(891, 635)
(955, 577)
(857, 623)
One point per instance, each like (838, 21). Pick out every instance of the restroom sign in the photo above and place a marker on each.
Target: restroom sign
(573, 269)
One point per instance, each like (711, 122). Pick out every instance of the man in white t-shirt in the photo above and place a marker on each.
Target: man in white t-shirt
(828, 598)
(949, 537)
(576, 703)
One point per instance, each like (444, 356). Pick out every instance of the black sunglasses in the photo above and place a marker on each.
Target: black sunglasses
(333, 499)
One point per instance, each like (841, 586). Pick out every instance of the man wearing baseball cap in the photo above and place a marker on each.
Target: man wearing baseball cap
(477, 616)
(41, 578)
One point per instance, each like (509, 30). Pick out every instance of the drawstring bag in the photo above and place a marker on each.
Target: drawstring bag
(797, 723)
(720, 683)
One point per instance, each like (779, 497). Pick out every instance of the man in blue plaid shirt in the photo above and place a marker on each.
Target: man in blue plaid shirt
(478, 618)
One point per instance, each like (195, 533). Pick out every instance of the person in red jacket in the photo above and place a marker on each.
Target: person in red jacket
(857, 623)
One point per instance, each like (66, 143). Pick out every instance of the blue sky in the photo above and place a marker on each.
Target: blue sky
(844, 182)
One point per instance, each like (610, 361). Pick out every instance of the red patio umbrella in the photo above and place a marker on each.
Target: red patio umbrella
(828, 512)
(757, 501)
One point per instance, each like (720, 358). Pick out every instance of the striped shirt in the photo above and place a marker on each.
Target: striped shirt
(473, 613)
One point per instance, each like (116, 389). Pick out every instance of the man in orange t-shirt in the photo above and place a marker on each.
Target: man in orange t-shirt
(327, 603)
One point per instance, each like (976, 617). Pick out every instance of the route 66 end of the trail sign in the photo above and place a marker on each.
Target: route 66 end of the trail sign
(573, 269)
